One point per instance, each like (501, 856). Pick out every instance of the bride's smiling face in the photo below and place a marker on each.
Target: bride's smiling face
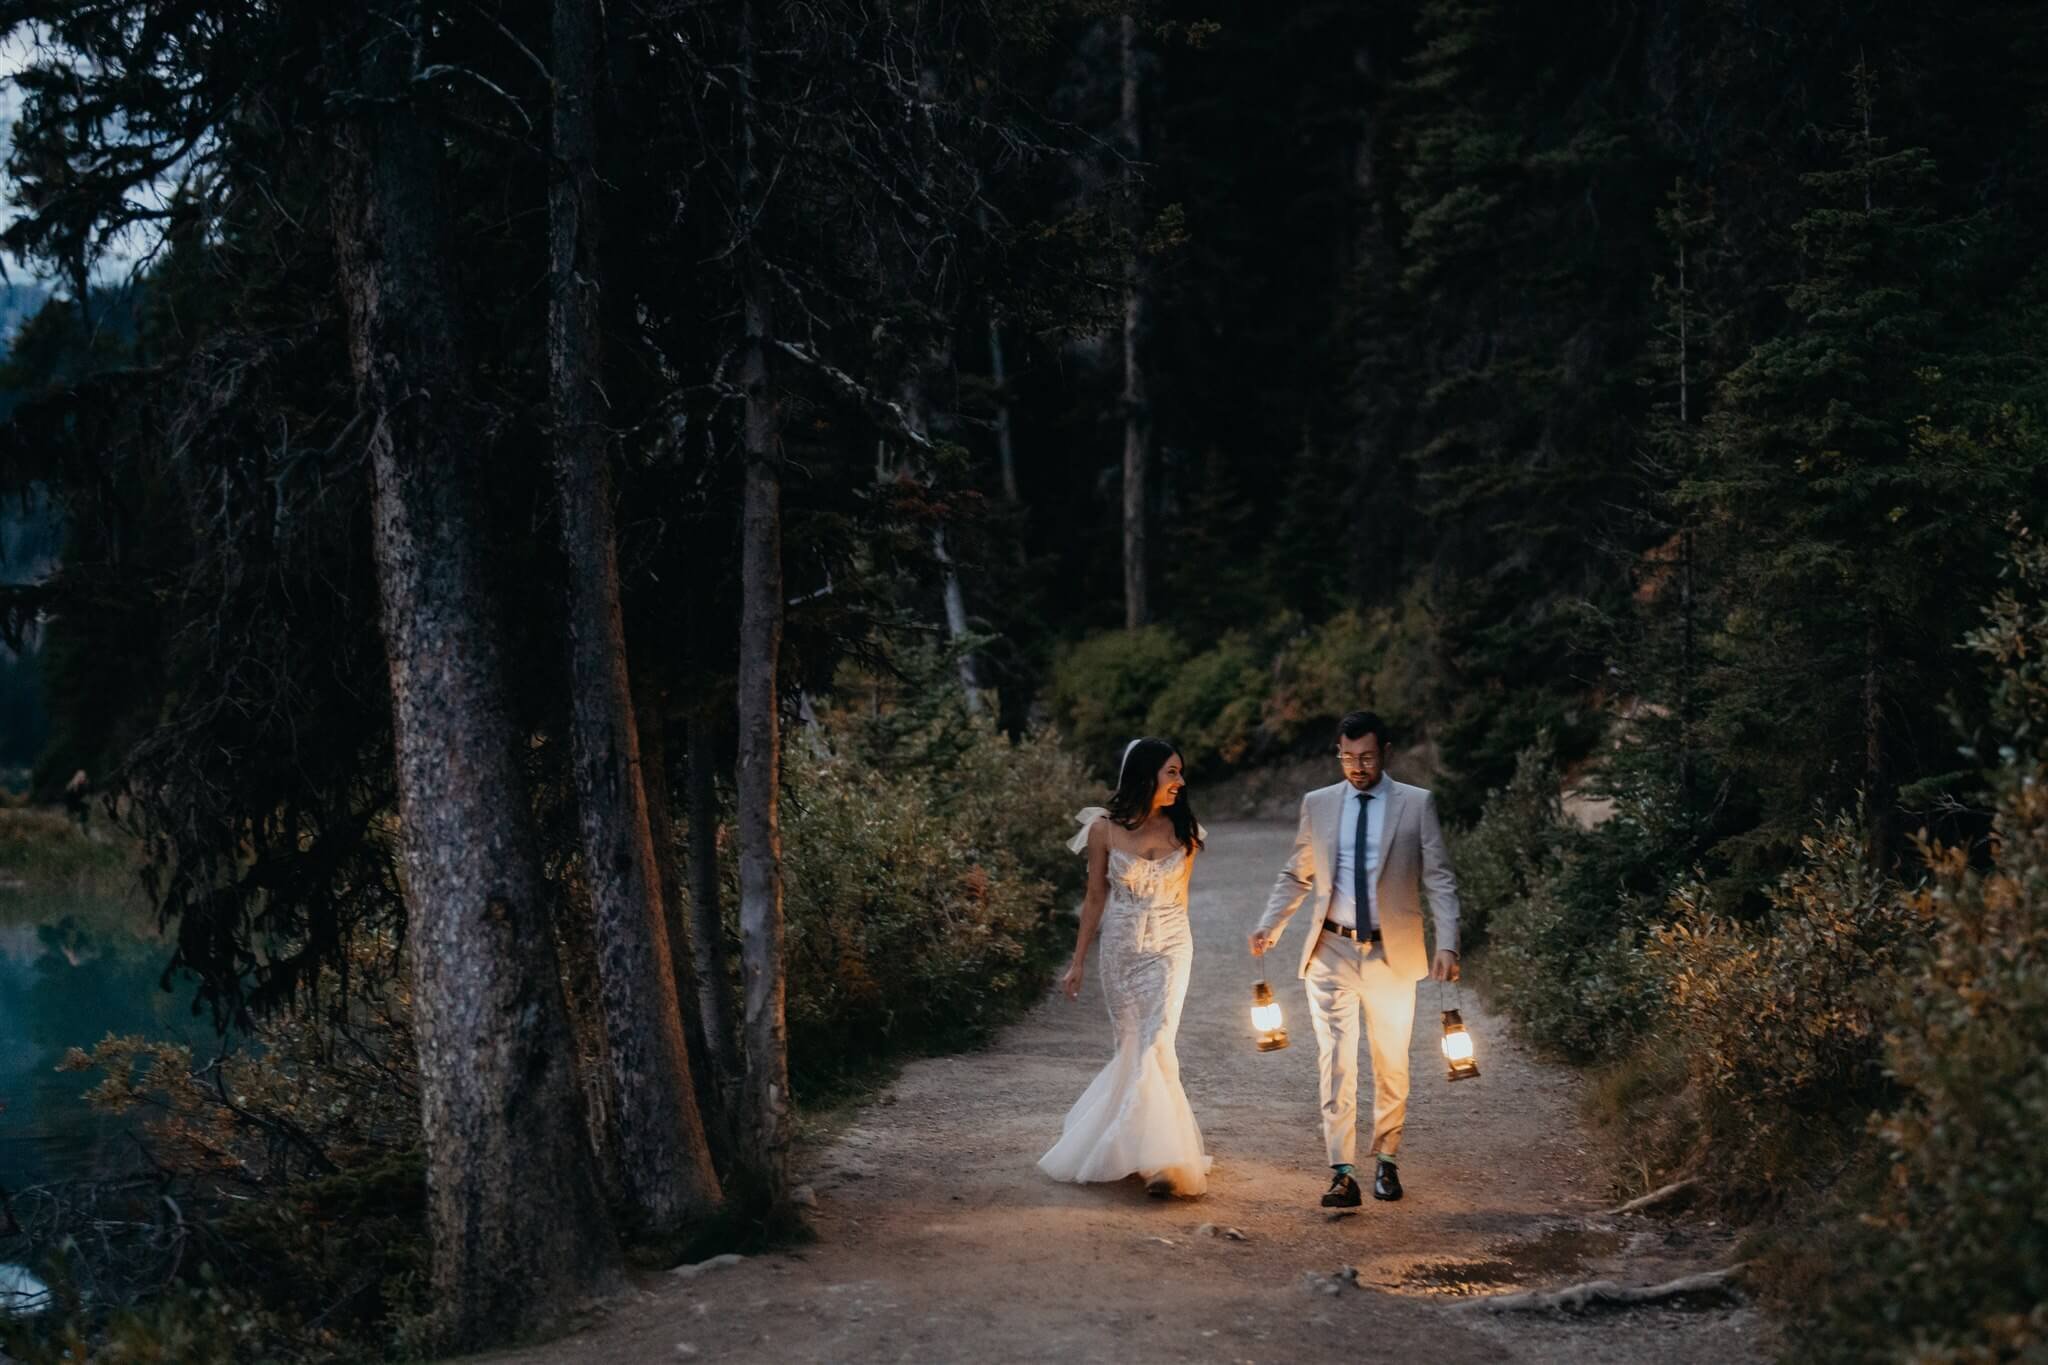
(1170, 783)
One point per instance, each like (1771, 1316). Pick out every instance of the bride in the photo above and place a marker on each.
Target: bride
(1134, 1118)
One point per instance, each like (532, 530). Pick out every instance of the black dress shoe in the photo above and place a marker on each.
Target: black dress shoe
(1342, 1194)
(1386, 1182)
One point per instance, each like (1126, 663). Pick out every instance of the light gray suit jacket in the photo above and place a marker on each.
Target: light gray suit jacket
(1412, 860)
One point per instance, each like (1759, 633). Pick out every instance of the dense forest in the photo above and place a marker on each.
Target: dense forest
(544, 467)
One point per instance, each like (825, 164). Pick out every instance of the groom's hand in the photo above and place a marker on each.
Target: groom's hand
(1260, 941)
(1445, 968)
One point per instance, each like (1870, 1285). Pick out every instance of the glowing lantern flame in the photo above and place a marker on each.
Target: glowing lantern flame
(1458, 1055)
(1266, 1019)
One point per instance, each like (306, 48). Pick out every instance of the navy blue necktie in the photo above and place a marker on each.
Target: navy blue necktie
(1361, 893)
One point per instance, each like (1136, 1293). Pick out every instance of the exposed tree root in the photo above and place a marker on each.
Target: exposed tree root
(1710, 1285)
(1658, 1198)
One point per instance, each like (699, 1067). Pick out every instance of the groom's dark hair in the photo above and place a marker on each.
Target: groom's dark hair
(1359, 724)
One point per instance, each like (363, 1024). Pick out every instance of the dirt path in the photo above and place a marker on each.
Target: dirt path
(938, 1240)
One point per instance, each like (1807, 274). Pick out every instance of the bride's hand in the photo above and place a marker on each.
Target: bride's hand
(1070, 981)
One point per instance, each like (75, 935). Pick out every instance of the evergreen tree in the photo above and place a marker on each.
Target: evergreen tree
(1848, 511)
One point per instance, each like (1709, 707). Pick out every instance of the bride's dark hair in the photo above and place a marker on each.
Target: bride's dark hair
(1138, 781)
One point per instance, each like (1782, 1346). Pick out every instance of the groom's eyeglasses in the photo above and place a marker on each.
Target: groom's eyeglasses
(1357, 761)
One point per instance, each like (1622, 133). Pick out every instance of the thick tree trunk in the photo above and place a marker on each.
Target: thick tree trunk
(764, 1104)
(715, 1006)
(764, 1035)
(663, 1157)
(652, 721)
(1136, 406)
(518, 1227)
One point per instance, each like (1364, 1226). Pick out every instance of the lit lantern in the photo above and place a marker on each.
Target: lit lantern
(1266, 1019)
(1458, 1048)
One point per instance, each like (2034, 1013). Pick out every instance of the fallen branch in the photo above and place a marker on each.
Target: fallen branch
(1579, 1298)
(1658, 1198)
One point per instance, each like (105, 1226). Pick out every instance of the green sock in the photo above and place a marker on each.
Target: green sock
(1342, 1168)
(1378, 1157)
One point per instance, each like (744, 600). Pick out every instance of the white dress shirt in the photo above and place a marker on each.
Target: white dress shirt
(1343, 904)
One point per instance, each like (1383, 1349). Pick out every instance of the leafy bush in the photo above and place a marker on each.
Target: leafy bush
(1561, 912)
(1102, 690)
(1957, 1248)
(1381, 660)
(1783, 1021)
(923, 871)
(1958, 1258)
(1278, 689)
(1566, 961)
(907, 927)
(1513, 847)
(1210, 705)
(1318, 676)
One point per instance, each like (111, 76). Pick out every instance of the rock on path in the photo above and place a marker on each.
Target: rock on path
(938, 1240)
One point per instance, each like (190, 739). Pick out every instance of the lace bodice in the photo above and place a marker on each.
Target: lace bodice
(1155, 883)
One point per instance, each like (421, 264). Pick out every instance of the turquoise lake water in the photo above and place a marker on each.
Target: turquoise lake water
(72, 971)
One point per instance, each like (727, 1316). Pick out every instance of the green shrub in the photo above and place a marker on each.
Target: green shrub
(1783, 1021)
(1566, 961)
(1017, 800)
(1507, 854)
(1382, 659)
(909, 927)
(924, 865)
(1956, 1251)
(1277, 689)
(1102, 690)
(1210, 706)
(1560, 913)
(1963, 1256)
(1321, 674)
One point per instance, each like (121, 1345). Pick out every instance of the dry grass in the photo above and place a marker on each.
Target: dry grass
(50, 869)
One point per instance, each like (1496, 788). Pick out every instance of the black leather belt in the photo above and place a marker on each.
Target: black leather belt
(1346, 931)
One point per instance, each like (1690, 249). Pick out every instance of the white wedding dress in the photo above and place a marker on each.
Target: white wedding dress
(1134, 1117)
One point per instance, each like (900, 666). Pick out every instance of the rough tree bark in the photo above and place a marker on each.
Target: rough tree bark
(651, 719)
(663, 1156)
(764, 1103)
(715, 1005)
(1137, 407)
(517, 1221)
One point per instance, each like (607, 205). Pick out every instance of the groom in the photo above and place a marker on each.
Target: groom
(1367, 849)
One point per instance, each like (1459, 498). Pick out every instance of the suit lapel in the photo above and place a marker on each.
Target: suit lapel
(1389, 822)
(1327, 834)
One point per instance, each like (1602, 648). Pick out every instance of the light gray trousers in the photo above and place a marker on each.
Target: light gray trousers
(1345, 983)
